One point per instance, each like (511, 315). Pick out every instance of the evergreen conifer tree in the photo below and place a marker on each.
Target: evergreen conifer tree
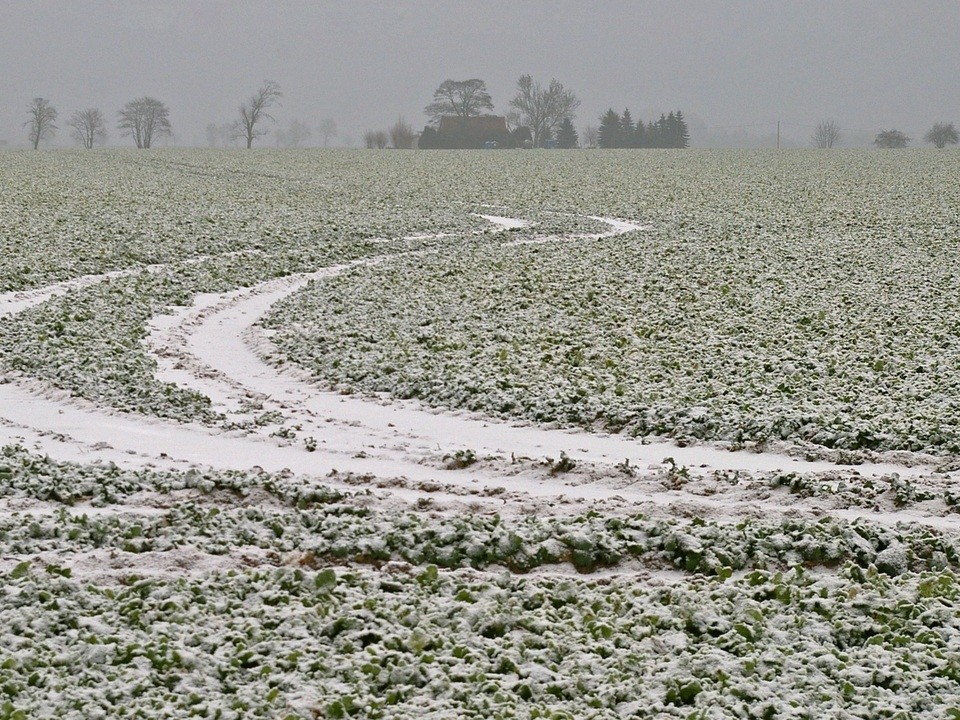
(663, 132)
(608, 135)
(620, 131)
(672, 134)
(653, 135)
(627, 129)
(567, 135)
(683, 133)
(640, 139)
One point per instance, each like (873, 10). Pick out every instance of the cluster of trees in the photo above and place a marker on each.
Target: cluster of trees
(375, 139)
(620, 131)
(144, 119)
(538, 115)
(461, 100)
(544, 114)
(256, 112)
(826, 134)
(940, 135)
(295, 134)
(535, 116)
(399, 136)
(543, 109)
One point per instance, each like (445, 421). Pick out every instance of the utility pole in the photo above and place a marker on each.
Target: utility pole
(778, 134)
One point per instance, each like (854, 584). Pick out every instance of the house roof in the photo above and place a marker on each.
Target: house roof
(479, 125)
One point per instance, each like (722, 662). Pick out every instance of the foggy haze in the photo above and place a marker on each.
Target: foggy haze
(733, 68)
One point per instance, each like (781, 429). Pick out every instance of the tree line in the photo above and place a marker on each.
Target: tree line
(828, 134)
(399, 136)
(940, 135)
(620, 131)
(146, 119)
(539, 115)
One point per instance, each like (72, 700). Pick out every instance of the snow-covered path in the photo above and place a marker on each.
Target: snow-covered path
(213, 347)
(219, 341)
(215, 343)
(18, 301)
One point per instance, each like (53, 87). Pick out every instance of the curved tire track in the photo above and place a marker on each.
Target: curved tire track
(214, 347)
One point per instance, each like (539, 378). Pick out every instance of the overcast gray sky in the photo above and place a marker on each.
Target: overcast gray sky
(870, 65)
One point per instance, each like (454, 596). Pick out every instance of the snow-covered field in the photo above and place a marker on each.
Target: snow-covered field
(546, 435)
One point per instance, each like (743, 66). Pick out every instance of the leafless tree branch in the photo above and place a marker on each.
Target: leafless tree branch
(827, 134)
(256, 109)
(463, 98)
(43, 115)
(88, 127)
(145, 119)
(543, 109)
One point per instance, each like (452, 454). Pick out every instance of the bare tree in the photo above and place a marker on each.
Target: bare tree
(43, 115)
(145, 119)
(375, 139)
(591, 136)
(89, 127)
(221, 135)
(827, 134)
(328, 129)
(513, 119)
(891, 139)
(295, 135)
(213, 134)
(542, 109)
(401, 134)
(463, 98)
(256, 109)
(941, 135)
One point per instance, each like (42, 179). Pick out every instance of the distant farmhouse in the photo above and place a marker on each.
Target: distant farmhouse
(464, 133)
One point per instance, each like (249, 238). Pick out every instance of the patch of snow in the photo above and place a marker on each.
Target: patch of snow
(505, 223)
